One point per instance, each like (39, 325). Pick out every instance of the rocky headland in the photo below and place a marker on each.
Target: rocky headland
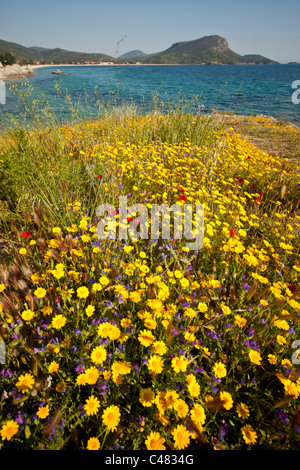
(15, 71)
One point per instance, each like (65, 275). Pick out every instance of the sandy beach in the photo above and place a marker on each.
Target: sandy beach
(58, 66)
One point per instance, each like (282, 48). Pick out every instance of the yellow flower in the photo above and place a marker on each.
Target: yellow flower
(249, 434)
(178, 274)
(47, 310)
(255, 357)
(27, 315)
(170, 398)
(25, 382)
(272, 359)
(121, 368)
(179, 364)
(2, 287)
(90, 310)
(240, 321)
(85, 238)
(202, 307)
(97, 287)
(81, 379)
(82, 292)
(146, 338)
(184, 282)
(198, 414)
(181, 407)
(287, 363)
(104, 280)
(98, 355)
(291, 388)
(226, 310)
(242, 410)
(159, 347)
(93, 444)
(111, 417)
(43, 412)
(128, 249)
(155, 364)
(92, 404)
(22, 251)
(227, 400)
(280, 340)
(219, 370)
(155, 441)
(181, 437)
(9, 429)
(194, 389)
(58, 321)
(91, 375)
(147, 397)
(190, 312)
(135, 296)
(40, 293)
(53, 367)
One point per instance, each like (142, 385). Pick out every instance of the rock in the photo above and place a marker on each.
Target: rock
(16, 71)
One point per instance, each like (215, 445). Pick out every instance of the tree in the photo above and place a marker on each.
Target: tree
(7, 59)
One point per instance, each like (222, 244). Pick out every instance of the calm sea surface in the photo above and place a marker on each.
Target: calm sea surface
(243, 89)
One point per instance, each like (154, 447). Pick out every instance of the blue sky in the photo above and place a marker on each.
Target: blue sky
(267, 27)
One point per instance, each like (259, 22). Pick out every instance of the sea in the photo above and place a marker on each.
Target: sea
(89, 91)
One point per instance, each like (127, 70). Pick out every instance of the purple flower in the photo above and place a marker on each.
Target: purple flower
(214, 389)
(246, 286)
(283, 416)
(19, 418)
(251, 332)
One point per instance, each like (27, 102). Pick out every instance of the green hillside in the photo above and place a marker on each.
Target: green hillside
(206, 50)
(48, 56)
(209, 49)
(21, 53)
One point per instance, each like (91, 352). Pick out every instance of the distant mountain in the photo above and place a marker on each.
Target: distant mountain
(206, 50)
(21, 53)
(48, 56)
(132, 55)
(257, 59)
(39, 49)
(62, 56)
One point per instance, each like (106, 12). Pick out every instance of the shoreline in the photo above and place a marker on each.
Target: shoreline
(109, 64)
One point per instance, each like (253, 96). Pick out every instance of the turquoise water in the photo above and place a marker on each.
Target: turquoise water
(243, 89)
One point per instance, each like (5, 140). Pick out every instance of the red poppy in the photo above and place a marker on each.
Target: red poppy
(181, 190)
(233, 232)
(99, 177)
(241, 180)
(26, 234)
(129, 219)
(292, 288)
(183, 198)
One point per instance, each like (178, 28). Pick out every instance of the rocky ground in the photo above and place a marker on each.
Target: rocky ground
(15, 71)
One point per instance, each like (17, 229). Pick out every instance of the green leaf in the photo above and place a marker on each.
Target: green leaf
(27, 432)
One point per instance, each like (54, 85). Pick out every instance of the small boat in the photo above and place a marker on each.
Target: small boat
(58, 72)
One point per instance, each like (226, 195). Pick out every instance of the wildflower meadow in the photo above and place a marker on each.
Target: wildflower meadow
(141, 343)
